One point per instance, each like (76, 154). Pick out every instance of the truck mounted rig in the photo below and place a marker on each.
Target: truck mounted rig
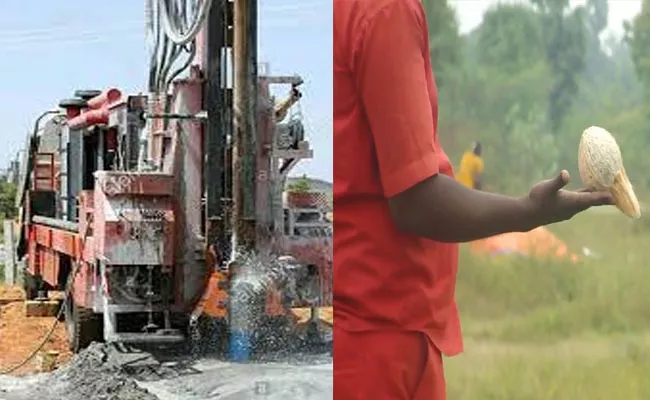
(142, 207)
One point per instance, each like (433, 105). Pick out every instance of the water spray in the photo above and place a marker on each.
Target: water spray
(254, 276)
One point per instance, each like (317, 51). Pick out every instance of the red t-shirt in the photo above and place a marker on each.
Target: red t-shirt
(385, 142)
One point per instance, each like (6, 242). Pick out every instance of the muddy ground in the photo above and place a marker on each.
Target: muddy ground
(112, 372)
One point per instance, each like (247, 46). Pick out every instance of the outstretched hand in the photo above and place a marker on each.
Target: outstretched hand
(551, 203)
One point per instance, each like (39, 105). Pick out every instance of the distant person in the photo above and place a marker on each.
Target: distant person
(470, 172)
(400, 212)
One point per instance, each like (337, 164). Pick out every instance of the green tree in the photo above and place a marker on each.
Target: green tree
(510, 39)
(531, 77)
(445, 43)
(597, 62)
(301, 185)
(509, 51)
(565, 53)
(637, 36)
(7, 200)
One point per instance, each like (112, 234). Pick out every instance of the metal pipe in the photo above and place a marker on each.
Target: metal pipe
(200, 116)
(108, 97)
(40, 118)
(72, 112)
(33, 148)
(243, 220)
(243, 162)
(89, 118)
(250, 137)
(56, 223)
(215, 127)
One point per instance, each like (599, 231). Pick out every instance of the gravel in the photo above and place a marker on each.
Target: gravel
(92, 374)
(112, 372)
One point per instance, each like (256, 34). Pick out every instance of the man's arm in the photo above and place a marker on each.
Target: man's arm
(390, 67)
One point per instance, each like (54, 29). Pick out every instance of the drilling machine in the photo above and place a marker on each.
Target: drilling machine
(144, 208)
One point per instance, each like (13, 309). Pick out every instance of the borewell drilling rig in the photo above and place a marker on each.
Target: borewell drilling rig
(142, 206)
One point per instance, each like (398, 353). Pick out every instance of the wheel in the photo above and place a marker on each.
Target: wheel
(31, 286)
(82, 326)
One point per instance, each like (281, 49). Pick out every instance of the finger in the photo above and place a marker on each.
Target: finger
(557, 183)
(584, 200)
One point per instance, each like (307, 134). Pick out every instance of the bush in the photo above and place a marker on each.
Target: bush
(301, 185)
(7, 200)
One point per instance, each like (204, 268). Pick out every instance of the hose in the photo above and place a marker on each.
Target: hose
(170, 21)
(152, 26)
(173, 27)
(186, 64)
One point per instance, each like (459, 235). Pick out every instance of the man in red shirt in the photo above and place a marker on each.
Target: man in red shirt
(399, 212)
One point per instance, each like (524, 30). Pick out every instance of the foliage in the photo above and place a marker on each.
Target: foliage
(531, 77)
(444, 40)
(7, 200)
(301, 185)
(638, 38)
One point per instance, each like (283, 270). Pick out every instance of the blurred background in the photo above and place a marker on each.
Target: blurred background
(571, 319)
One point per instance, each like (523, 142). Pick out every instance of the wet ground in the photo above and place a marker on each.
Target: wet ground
(114, 372)
(277, 381)
(109, 372)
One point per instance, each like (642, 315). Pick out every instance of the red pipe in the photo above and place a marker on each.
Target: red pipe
(106, 98)
(72, 112)
(88, 118)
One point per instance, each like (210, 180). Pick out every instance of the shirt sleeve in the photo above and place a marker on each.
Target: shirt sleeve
(391, 76)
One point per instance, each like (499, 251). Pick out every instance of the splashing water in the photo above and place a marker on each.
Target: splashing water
(256, 276)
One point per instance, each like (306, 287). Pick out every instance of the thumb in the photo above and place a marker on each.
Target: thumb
(557, 183)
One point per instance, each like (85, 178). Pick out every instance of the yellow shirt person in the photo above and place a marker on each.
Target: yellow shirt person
(471, 168)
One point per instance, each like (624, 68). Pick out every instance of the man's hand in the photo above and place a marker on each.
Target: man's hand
(549, 203)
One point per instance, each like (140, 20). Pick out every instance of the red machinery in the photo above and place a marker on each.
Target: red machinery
(142, 201)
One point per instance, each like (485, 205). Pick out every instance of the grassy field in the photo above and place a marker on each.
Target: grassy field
(546, 330)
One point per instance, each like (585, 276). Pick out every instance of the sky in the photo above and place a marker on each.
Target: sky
(51, 48)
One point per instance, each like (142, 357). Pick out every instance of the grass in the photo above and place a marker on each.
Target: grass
(552, 330)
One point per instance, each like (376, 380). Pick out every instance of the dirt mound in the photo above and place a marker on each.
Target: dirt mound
(19, 335)
(11, 293)
(92, 374)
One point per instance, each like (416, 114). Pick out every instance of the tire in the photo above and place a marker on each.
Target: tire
(30, 285)
(82, 326)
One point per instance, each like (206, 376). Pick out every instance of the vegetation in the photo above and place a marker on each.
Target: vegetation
(531, 78)
(7, 200)
(538, 329)
(7, 205)
(527, 82)
(301, 185)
